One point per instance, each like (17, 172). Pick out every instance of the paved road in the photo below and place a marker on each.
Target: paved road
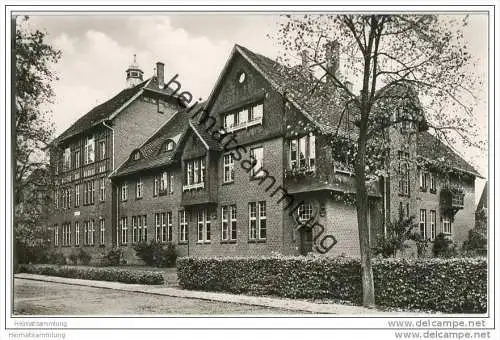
(49, 298)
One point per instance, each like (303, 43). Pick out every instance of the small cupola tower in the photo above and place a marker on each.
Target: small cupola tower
(134, 74)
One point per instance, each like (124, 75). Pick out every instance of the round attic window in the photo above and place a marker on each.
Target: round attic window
(242, 77)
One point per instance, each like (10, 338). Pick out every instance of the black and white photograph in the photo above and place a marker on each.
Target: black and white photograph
(225, 167)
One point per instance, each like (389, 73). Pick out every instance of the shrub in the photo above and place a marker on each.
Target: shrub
(442, 246)
(398, 232)
(113, 257)
(73, 257)
(56, 257)
(84, 257)
(476, 244)
(93, 273)
(447, 285)
(156, 254)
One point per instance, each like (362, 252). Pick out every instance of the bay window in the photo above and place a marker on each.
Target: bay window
(302, 154)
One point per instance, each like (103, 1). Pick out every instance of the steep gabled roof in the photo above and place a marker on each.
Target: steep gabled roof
(433, 149)
(174, 129)
(104, 111)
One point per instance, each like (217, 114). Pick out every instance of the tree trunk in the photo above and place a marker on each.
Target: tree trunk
(362, 214)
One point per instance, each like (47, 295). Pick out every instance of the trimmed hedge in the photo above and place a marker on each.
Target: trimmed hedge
(446, 285)
(92, 273)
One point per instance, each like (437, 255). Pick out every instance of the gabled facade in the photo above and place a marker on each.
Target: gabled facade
(253, 171)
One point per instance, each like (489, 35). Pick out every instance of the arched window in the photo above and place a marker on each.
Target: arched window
(304, 212)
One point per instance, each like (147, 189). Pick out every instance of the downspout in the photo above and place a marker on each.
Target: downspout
(385, 205)
(113, 143)
(113, 184)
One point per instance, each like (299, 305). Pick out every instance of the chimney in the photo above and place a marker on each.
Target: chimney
(332, 55)
(160, 74)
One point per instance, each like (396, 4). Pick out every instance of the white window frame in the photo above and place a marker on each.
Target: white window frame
(229, 223)
(102, 149)
(257, 221)
(167, 228)
(432, 216)
(423, 223)
(228, 166)
(304, 212)
(89, 154)
(77, 195)
(134, 229)
(156, 188)
(102, 231)
(258, 166)
(139, 188)
(124, 230)
(203, 227)
(77, 159)
(183, 226)
(67, 159)
(77, 233)
(447, 226)
(102, 189)
(124, 191)
(158, 222)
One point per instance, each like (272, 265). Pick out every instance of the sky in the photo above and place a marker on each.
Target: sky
(97, 49)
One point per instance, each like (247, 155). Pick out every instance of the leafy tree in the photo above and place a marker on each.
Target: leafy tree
(395, 60)
(33, 132)
(398, 232)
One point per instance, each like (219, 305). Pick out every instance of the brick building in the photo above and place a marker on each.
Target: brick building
(84, 156)
(253, 171)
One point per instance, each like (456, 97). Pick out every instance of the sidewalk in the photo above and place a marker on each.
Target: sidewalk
(282, 303)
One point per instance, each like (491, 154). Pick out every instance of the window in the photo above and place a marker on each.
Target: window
(404, 173)
(183, 226)
(304, 212)
(195, 174)
(446, 225)
(257, 220)
(77, 159)
(66, 234)
(163, 227)
(257, 156)
(204, 225)
(228, 168)
(88, 192)
(244, 118)
(56, 199)
(123, 228)
(241, 77)
(166, 183)
(303, 153)
(168, 146)
(101, 231)
(77, 233)
(155, 186)
(56, 235)
(423, 223)
(229, 228)
(124, 191)
(88, 156)
(138, 188)
(166, 234)
(401, 213)
(77, 195)
(66, 160)
(432, 177)
(134, 229)
(88, 233)
(423, 179)
(102, 149)
(159, 222)
(102, 189)
(432, 215)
